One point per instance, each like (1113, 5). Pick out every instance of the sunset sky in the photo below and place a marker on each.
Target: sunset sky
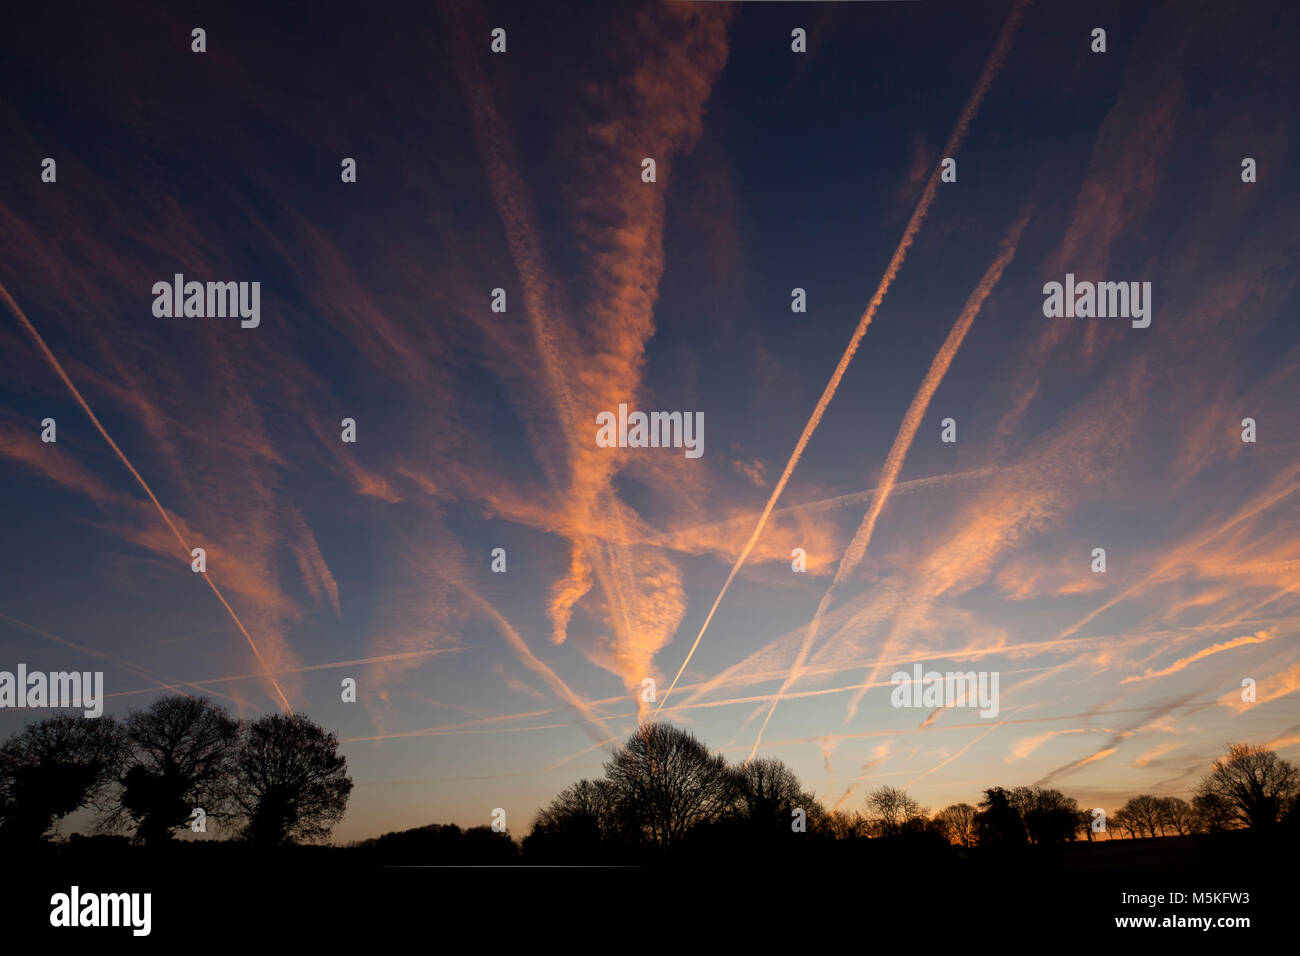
(476, 429)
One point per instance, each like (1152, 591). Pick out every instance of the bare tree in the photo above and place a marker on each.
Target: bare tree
(1083, 824)
(845, 825)
(1253, 786)
(1176, 814)
(667, 782)
(1145, 814)
(1121, 821)
(957, 824)
(891, 811)
(291, 781)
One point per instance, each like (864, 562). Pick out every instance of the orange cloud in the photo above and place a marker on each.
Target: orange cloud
(1259, 637)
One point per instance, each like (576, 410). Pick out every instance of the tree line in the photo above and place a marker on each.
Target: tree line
(280, 779)
(663, 788)
(175, 766)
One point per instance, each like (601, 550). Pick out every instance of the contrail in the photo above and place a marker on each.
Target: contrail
(162, 680)
(820, 692)
(452, 733)
(895, 264)
(898, 452)
(1030, 648)
(1155, 711)
(360, 662)
(448, 728)
(944, 763)
(586, 750)
(825, 504)
(592, 722)
(1260, 503)
(49, 357)
(1257, 638)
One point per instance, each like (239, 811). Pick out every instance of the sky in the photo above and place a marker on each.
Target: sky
(476, 429)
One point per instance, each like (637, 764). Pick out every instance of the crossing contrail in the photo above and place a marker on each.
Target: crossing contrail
(58, 368)
(895, 264)
(898, 452)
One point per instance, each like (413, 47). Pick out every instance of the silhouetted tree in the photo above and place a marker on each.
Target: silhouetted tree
(1120, 822)
(1145, 814)
(577, 822)
(957, 824)
(667, 782)
(1213, 814)
(586, 808)
(817, 817)
(847, 825)
(440, 843)
(1252, 785)
(1022, 799)
(1176, 814)
(998, 822)
(182, 757)
(767, 793)
(1083, 825)
(1045, 816)
(1050, 817)
(291, 783)
(485, 845)
(891, 811)
(53, 767)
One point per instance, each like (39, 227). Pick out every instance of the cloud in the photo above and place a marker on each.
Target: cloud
(582, 370)
(1268, 689)
(1258, 637)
